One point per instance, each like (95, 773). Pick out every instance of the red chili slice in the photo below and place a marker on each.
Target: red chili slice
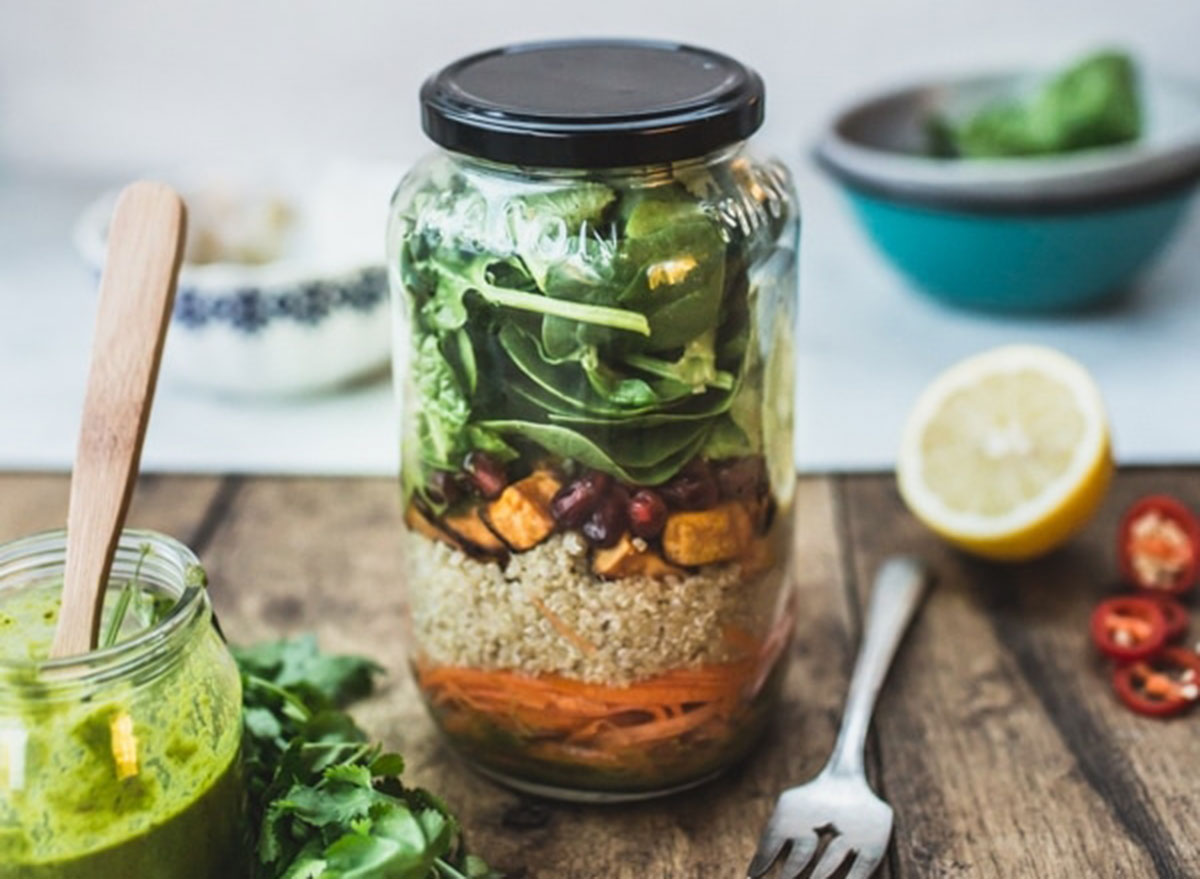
(1175, 613)
(1159, 545)
(1129, 627)
(1164, 685)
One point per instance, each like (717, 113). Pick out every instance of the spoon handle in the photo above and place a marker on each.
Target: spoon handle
(137, 289)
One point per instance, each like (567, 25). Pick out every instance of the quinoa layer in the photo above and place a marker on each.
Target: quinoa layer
(546, 612)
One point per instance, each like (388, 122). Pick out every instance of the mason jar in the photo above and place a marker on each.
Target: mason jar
(123, 761)
(595, 291)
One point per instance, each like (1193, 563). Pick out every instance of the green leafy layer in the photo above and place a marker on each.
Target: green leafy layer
(609, 312)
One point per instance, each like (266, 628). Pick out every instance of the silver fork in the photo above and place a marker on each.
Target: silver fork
(838, 804)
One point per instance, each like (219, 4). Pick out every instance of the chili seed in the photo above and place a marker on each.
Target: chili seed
(576, 500)
(693, 488)
(486, 474)
(647, 513)
(606, 524)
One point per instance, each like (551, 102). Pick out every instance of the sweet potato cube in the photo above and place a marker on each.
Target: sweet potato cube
(470, 528)
(707, 536)
(419, 522)
(625, 559)
(521, 515)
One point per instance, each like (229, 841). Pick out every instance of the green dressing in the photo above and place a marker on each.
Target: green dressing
(131, 775)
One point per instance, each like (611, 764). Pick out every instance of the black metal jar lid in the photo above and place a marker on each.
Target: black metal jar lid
(592, 103)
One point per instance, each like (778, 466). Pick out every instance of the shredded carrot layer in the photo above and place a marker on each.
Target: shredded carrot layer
(590, 723)
(562, 720)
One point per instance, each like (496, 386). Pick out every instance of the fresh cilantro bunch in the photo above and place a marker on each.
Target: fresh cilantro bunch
(327, 803)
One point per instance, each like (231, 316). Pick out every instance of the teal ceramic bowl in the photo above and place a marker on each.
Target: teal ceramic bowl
(1015, 235)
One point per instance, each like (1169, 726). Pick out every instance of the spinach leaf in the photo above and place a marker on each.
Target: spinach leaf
(419, 278)
(569, 443)
(727, 440)
(484, 440)
(745, 409)
(649, 211)
(612, 386)
(444, 430)
(632, 449)
(584, 380)
(575, 205)
(464, 350)
(591, 282)
(444, 412)
(545, 225)
(479, 273)
(561, 376)
(679, 282)
(670, 267)
(632, 390)
(696, 367)
(639, 449)
(697, 408)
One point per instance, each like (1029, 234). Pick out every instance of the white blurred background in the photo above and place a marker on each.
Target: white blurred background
(93, 92)
(127, 84)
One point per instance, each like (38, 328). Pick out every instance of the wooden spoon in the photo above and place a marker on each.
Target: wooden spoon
(137, 289)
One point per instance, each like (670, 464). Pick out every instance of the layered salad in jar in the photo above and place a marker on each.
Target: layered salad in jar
(596, 383)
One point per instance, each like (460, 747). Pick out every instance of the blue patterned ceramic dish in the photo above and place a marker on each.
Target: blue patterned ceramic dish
(1016, 235)
(312, 317)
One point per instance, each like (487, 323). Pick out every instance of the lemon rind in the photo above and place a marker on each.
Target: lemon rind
(1091, 449)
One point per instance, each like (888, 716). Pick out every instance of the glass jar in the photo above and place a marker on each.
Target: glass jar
(123, 761)
(594, 286)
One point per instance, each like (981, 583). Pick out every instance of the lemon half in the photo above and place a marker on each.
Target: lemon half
(1007, 454)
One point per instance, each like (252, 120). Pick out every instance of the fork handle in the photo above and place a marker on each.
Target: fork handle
(899, 587)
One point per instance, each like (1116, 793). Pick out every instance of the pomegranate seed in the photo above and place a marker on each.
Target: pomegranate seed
(576, 500)
(693, 488)
(606, 524)
(486, 474)
(647, 514)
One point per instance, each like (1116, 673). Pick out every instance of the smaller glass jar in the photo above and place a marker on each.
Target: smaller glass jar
(125, 761)
(595, 287)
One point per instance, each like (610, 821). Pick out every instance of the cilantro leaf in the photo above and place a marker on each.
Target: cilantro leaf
(297, 663)
(327, 802)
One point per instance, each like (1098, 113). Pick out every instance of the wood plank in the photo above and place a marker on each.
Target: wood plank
(970, 730)
(295, 555)
(998, 741)
(31, 502)
(174, 505)
(1140, 767)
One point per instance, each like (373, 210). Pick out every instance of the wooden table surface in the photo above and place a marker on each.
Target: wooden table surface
(997, 740)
